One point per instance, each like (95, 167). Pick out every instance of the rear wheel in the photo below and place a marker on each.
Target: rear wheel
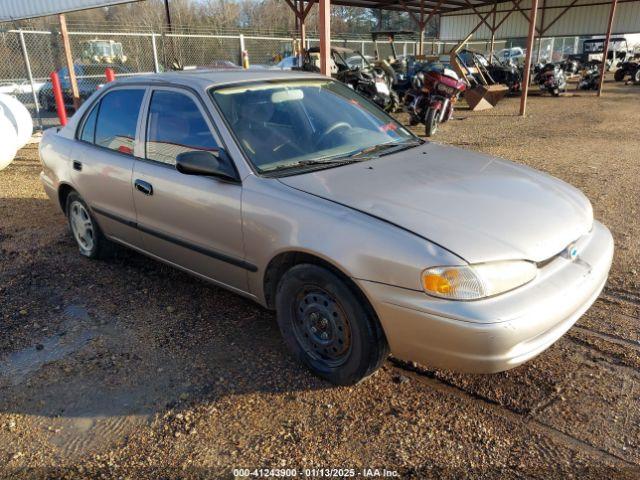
(431, 121)
(86, 232)
(619, 75)
(636, 77)
(327, 327)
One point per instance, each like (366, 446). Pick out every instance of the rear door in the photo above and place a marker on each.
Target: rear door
(103, 159)
(191, 221)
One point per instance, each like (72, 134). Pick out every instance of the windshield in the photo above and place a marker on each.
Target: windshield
(101, 48)
(294, 124)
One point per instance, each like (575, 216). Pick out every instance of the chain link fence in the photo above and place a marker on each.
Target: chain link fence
(29, 56)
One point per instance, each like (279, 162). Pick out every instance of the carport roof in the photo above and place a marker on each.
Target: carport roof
(444, 7)
(416, 6)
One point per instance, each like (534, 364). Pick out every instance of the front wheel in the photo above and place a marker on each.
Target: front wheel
(327, 327)
(619, 75)
(394, 102)
(46, 104)
(431, 121)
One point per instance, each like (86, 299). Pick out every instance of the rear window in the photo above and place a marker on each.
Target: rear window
(117, 120)
(89, 128)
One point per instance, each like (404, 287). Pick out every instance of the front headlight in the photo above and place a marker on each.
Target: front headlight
(472, 282)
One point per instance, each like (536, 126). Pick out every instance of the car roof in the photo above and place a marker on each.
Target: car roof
(205, 78)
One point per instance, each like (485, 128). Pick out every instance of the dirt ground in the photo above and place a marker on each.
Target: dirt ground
(129, 369)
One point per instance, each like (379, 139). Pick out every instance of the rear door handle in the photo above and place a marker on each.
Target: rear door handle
(144, 187)
(77, 165)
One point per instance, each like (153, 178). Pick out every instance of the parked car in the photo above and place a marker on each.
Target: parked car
(89, 77)
(360, 61)
(515, 55)
(287, 63)
(294, 191)
(21, 90)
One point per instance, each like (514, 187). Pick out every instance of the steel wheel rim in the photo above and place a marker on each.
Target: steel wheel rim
(321, 326)
(81, 226)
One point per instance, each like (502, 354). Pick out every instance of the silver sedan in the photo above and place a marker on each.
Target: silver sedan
(292, 190)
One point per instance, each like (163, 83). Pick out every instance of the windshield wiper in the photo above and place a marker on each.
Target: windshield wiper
(385, 148)
(358, 156)
(314, 162)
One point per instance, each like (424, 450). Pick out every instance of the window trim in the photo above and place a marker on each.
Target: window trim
(206, 114)
(145, 120)
(202, 97)
(98, 103)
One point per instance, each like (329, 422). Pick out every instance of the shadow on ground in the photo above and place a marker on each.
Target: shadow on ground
(127, 336)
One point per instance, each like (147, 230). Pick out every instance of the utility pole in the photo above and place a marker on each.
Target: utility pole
(607, 41)
(75, 93)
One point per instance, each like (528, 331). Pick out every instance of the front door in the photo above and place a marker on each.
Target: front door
(191, 221)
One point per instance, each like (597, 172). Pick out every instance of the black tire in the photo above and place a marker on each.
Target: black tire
(431, 121)
(636, 76)
(394, 104)
(327, 326)
(46, 104)
(619, 75)
(99, 246)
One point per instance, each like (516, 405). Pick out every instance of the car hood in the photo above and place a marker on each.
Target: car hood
(479, 207)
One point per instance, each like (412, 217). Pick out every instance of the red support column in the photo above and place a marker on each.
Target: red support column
(527, 62)
(607, 40)
(324, 18)
(57, 94)
(111, 76)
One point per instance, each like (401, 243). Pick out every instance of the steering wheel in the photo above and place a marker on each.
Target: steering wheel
(332, 129)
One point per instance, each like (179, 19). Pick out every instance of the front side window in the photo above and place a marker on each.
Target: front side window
(117, 120)
(286, 124)
(175, 125)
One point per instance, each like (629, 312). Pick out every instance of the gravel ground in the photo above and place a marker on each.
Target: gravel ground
(129, 369)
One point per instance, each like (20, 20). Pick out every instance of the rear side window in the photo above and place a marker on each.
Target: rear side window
(117, 119)
(175, 125)
(89, 127)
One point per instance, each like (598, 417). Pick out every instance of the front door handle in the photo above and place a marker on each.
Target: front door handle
(144, 187)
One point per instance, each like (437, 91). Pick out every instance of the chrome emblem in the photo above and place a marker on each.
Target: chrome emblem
(572, 252)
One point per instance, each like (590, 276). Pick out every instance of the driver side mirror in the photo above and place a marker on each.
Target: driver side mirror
(215, 163)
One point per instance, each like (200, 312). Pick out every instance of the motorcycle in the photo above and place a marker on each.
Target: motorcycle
(590, 76)
(570, 67)
(550, 78)
(626, 69)
(432, 97)
(368, 80)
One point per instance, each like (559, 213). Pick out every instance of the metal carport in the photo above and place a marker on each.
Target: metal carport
(491, 19)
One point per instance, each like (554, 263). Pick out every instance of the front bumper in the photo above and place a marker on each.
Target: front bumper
(498, 333)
